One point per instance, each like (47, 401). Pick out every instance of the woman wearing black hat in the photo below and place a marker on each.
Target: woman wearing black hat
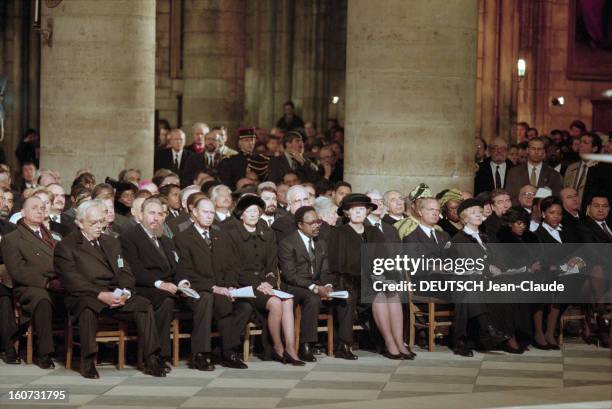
(345, 260)
(252, 261)
(469, 243)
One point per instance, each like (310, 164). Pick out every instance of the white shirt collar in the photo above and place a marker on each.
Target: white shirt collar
(373, 221)
(554, 232)
(473, 234)
(200, 230)
(426, 229)
(221, 216)
(305, 239)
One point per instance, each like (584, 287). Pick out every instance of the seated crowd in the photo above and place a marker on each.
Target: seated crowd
(276, 215)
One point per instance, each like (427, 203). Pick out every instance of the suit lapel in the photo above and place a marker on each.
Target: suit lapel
(88, 248)
(35, 241)
(198, 239)
(111, 258)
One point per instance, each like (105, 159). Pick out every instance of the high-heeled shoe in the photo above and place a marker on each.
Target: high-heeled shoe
(289, 360)
(276, 357)
(544, 347)
(410, 355)
(396, 357)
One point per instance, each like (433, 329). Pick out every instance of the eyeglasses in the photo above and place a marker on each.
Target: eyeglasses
(528, 194)
(314, 222)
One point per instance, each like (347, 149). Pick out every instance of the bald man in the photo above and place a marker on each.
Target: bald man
(491, 173)
(28, 256)
(176, 157)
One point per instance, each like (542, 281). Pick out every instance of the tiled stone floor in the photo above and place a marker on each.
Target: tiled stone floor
(579, 376)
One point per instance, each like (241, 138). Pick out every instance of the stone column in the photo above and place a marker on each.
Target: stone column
(98, 87)
(214, 63)
(410, 91)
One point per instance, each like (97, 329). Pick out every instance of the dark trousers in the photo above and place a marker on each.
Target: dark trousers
(42, 321)
(232, 326)
(202, 322)
(310, 305)
(163, 319)
(345, 316)
(8, 325)
(148, 339)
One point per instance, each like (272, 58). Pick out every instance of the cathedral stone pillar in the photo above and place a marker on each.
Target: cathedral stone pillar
(410, 94)
(98, 87)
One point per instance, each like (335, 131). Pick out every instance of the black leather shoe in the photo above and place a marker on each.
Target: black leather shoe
(11, 357)
(494, 336)
(344, 352)
(154, 366)
(290, 360)
(231, 360)
(544, 347)
(45, 362)
(462, 349)
(167, 364)
(395, 357)
(276, 357)
(409, 356)
(305, 353)
(88, 369)
(201, 362)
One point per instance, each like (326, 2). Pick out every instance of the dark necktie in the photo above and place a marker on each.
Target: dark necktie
(606, 229)
(176, 162)
(206, 236)
(377, 225)
(432, 236)
(311, 254)
(498, 183)
(580, 176)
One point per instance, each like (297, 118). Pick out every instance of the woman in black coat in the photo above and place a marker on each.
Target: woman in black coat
(251, 252)
(344, 258)
(471, 307)
(550, 232)
(521, 250)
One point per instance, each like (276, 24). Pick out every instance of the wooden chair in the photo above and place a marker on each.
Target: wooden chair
(329, 328)
(568, 317)
(176, 335)
(431, 315)
(118, 335)
(250, 331)
(29, 335)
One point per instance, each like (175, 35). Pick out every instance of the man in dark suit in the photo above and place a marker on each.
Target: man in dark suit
(8, 325)
(599, 180)
(330, 168)
(183, 220)
(305, 274)
(293, 160)
(153, 260)
(99, 281)
(176, 157)
(201, 268)
(534, 172)
(374, 218)
(234, 168)
(297, 196)
(395, 206)
(492, 171)
(207, 161)
(28, 256)
(172, 194)
(571, 209)
(272, 211)
(500, 203)
(595, 226)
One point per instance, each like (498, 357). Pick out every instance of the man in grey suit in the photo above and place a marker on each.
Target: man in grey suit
(535, 172)
(576, 173)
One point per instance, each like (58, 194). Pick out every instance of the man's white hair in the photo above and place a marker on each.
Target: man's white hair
(186, 192)
(293, 190)
(81, 211)
(200, 125)
(264, 185)
(324, 205)
(217, 190)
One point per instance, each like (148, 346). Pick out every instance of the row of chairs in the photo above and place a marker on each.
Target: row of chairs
(115, 331)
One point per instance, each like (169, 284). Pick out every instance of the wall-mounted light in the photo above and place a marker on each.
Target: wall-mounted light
(335, 99)
(607, 93)
(558, 101)
(521, 68)
(46, 34)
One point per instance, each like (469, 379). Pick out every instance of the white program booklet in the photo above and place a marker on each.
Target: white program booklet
(189, 292)
(339, 294)
(244, 292)
(282, 295)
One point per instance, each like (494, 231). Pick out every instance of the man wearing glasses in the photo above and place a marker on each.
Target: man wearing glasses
(305, 274)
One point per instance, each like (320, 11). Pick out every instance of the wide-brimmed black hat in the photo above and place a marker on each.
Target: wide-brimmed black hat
(467, 203)
(247, 201)
(355, 199)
